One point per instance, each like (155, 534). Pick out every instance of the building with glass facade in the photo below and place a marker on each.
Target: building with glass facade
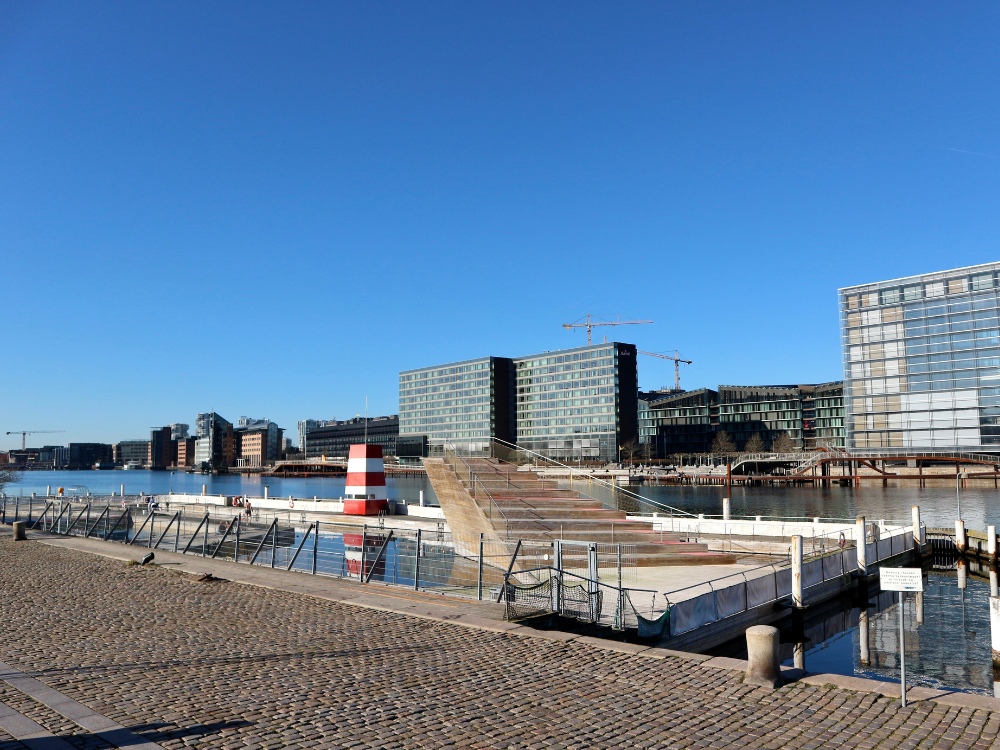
(460, 402)
(578, 403)
(922, 361)
(569, 404)
(809, 415)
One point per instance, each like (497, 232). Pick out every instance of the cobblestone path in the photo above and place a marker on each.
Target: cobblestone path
(223, 665)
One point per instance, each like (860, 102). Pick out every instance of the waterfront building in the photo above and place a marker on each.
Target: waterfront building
(922, 361)
(334, 439)
(308, 424)
(215, 444)
(572, 404)
(89, 455)
(805, 417)
(161, 449)
(470, 401)
(54, 456)
(131, 451)
(185, 451)
(179, 431)
(258, 442)
(578, 404)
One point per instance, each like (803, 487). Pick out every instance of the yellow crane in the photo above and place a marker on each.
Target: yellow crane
(589, 324)
(677, 364)
(25, 433)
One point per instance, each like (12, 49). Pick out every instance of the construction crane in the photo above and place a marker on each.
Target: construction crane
(677, 365)
(25, 433)
(591, 324)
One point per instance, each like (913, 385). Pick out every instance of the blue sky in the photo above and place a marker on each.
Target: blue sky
(270, 209)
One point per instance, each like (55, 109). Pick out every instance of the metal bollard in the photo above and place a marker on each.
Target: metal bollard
(861, 541)
(797, 597)
(961, 542)
(762, 657)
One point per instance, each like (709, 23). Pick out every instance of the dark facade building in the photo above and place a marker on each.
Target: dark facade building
(162, 449)
(809, 416)
(334, 439)
(89, 455)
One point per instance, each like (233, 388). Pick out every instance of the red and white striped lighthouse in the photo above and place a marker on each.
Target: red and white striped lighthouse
(364, 494)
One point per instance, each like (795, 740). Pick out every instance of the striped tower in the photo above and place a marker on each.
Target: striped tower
(364, 494)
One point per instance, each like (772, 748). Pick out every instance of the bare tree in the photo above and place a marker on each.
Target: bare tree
(754, 444)
(8, 475)
(783, 443)
(723, 443)
(628, 450)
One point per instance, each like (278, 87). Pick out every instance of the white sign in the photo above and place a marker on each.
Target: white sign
(901, 579)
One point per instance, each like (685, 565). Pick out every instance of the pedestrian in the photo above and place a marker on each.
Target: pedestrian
(246, 504)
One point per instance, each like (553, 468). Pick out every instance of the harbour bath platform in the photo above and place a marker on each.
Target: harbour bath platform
(99, 652)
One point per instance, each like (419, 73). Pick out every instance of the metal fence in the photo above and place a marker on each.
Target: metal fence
(701, 604)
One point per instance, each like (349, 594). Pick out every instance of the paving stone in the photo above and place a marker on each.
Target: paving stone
(226, 666)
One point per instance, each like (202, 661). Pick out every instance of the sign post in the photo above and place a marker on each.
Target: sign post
(901, 580)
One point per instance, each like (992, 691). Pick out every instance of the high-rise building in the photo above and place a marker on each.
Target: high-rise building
(258, 442)
(178, 431)
(215, 446)
(463, 401)
(161, 448)
(922, 361)
(570, 404)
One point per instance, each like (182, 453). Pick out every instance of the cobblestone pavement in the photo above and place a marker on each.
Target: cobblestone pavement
(224, 665)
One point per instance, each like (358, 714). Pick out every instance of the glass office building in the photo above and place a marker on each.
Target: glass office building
(578, 403)
(569, 404)
(458, 402)
(922, 361)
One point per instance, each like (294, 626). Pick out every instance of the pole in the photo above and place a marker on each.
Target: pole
(902, 654)
(480, 583)
(416, 564)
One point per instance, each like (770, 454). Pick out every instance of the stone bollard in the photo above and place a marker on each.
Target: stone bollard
(19, 534)
(762, 657)
(961, 542)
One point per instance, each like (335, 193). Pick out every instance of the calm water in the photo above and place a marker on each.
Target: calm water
(162, 482)
(949, 649)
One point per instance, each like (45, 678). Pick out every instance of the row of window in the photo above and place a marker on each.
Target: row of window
(929, 290)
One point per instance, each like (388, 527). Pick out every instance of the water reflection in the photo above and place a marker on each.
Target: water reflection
(947, 634)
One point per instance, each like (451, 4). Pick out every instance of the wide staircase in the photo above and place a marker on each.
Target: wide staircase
(522, 505)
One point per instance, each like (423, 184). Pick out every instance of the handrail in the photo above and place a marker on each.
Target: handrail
(492, 503)
(592, 478)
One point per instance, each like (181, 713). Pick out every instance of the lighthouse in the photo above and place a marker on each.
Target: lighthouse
(364, 494)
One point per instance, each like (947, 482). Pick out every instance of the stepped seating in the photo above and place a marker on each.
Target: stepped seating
(523, 505)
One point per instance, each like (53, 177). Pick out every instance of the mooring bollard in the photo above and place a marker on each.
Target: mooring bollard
(918, 537)
(961, 543)
(991, 542)
(860, 541)
(797, 572)
(995, 629)
(866, 658)
(762, 657)
(19, 533)
(725, 509)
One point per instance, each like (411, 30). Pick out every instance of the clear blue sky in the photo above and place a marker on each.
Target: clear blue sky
(270, 209)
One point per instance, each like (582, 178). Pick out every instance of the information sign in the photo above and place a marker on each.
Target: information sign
(901, 579)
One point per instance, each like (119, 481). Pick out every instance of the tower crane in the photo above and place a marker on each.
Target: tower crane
(677, 365)
(25, 433)
(593, 324)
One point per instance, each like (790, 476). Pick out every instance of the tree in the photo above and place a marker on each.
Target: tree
(754, 444)
(628, 450)
(783, 443)
(723, 443)
(8, 475)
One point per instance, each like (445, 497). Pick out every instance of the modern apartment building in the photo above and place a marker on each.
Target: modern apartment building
(569, 404)
(215, 444)
(258, 442)
(809, 415)
(460, 402)
(334, 438)
(922, 361)
(578, 403)
(131, 452)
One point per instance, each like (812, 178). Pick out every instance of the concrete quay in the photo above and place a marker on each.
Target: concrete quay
(97, 653)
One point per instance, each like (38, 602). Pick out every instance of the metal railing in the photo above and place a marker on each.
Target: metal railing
(475, 488)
